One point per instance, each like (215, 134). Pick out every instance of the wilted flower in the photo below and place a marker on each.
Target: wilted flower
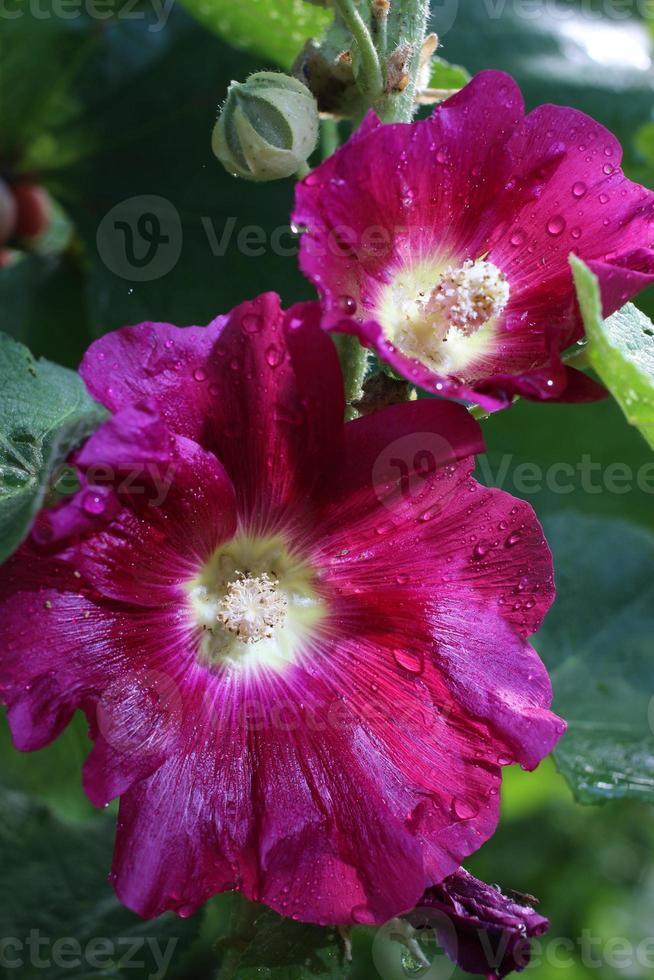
(444, 244)
(300, 645)
(481, 929)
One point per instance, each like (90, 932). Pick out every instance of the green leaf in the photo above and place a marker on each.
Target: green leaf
(252, 942)
(621, 349)
(46, 411)
(447, 76)
(597, 644)
(275, 30)
(53, 773)
(54, 889)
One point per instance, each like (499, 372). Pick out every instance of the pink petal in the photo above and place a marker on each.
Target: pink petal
(525, 193)
(246, 388)
(382, 201)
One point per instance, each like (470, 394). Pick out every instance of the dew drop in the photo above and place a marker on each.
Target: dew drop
(608, 169)
(604, 198)
(93, 503)
(513, 539)
(200, 374)
(410, 660)
(576, 233)
(273, 356)
(556, 226)
(252, 323)
(348, 304)
(579, 189)
(519, 237)
(464, 810)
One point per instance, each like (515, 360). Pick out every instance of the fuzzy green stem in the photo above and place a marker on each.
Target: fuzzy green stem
(407, 27)
(380, 21)
(329, 137)
(354, 361)
(370, 78)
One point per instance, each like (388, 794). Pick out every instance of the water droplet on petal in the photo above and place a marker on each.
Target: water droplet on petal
(273, 356)
(513, 539)
(579, 189)
(252, 323)
(200, 374)
(410, 660)
(464, 810)
(556, 226)
(93, 503)
(348, 304)
(519, 237)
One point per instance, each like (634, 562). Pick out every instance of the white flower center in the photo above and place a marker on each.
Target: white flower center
(256, 604)
(253, 608)
(467, 298)
(444, 316)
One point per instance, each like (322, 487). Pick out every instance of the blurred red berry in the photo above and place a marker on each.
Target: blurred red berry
(8, 212)
(33, 210)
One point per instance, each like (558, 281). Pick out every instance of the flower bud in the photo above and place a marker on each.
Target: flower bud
(268, 127)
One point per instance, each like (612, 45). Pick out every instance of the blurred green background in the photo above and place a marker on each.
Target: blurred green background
(102, 111)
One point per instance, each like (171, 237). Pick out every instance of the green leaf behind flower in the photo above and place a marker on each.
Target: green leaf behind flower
(621, 349)
(597, 644)
(45, 412)
(54, 889)
(447, 76)
(276, 29)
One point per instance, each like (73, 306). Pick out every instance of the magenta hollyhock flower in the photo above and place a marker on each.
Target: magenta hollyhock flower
(301, 645)
(480, 928)
(444, 244)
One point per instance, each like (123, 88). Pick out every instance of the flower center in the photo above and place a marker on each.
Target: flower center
(256, 603)
(467, 298)
(253, 608)
(444, 316)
